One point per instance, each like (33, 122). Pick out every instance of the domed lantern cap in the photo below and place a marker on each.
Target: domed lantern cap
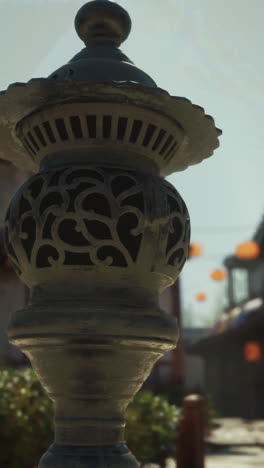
(103, 26)
(101, 21)
(182, 134)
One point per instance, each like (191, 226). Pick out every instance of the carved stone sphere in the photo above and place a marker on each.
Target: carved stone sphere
(92, 223)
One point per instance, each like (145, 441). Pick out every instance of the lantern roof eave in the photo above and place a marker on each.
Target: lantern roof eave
(22, 99)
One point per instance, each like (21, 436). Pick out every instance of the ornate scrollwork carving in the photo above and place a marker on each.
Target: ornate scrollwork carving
(97, 218)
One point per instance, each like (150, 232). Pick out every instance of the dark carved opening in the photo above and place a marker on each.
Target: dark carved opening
(159, 139)
(52, 198)
(115, 254)
(77, 258)
(178, 257)
(149, 133)
(107, 126)
(33, 141)
(35, 187)
(44, 252)
(76, 126)
(40, 136)
(98, 229)
(137, 125)
(121, 127)
(55, 179)
(73, 194)
(24, 206)
(61, 129)
(173, 205)
(49, 132)
(171, 150)
(28, 228)
(176, 236)
(126, 223)
(166, 145)
(121, 184)
(48, 226)
(91, 124)
(28, 147)
(97, 203)
(136, 200)
(68, 233)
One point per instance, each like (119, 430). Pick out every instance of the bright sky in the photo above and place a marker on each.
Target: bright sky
(208, 51)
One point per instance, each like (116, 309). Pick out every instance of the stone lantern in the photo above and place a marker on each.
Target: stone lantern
(97, 233)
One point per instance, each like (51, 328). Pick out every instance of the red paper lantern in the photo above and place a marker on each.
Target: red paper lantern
(201, 297)
(252, 351)
(195, 250)
(248, 250)
(218, 275)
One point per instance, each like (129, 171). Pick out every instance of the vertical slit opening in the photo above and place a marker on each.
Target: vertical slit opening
(40, 136)
(91, 125)
(137, 125)
(60, 125)
(170, 152)
(107, 126)
(159, 139)
(28, 146)
(149, 134)
(121, 127)
(76, 126)
(33, 141)
(166, 144)
(49, 132)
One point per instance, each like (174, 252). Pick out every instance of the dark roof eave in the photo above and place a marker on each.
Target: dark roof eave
(229, 338)
(233, 262)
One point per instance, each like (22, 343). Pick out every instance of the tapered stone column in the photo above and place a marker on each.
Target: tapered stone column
(97, 233)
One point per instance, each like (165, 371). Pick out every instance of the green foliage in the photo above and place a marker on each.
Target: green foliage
(211, 411)
(26, 422)
(152, 427)
(26, 414)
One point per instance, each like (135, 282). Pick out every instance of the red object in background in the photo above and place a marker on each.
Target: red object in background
(192, 429)
(248, 250)
(218, 275)
(252, 351)
(201, 297)
(195, 250)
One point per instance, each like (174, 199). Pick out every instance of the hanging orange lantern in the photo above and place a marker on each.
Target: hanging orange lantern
(252, 351)
(201, 297)
(195, 250)
(218, 275)
(248, 250)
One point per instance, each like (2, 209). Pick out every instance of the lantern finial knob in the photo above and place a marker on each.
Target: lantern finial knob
(102, 21)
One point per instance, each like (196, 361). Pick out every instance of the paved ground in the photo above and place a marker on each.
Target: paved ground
(247, 457)
(234, 443)
(237, 431)
(242, 457)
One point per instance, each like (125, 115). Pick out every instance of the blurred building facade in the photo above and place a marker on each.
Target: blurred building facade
(233, 354)
(179, 372)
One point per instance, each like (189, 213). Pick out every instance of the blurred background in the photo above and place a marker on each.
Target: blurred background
(211, 53)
